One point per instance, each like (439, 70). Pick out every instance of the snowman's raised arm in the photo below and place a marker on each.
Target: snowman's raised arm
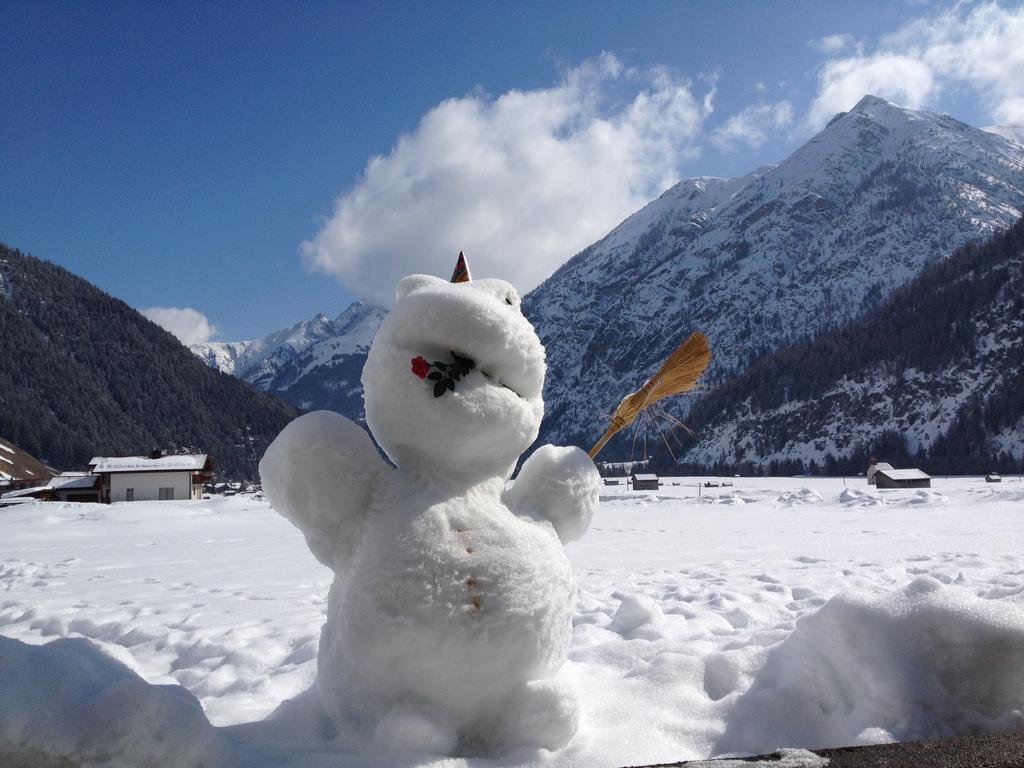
(319, 473)
(560, 485)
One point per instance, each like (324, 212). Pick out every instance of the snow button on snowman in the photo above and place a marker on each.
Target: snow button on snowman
(450, 611)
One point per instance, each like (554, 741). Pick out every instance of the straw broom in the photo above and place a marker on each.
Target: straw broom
(677, 374)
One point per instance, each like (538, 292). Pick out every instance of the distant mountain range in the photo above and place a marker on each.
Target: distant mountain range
(315, 364)
(83, 374)
(760, 263)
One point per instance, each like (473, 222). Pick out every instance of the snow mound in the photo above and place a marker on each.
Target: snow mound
(857, 498)
(638, 616)
(928, 661)
(802, 496)
(103, 711)
(923, 496)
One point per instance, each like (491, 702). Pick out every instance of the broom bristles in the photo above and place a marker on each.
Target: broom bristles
(677, 374)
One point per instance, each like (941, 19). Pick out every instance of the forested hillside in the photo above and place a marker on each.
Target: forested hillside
(82, 374)
(934, 376)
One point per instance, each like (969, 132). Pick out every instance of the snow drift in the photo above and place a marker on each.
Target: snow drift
(925, 662)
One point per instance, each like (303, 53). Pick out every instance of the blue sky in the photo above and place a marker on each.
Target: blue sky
(214, 156)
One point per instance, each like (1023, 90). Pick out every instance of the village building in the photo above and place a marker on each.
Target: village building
(67, 486)
(645, 482)
(152, 478)
(902, 478)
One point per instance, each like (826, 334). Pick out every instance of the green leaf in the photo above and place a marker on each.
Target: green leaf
(466, 362)
(450, 383)
(439, 388)
(434, 376)
(441, 366)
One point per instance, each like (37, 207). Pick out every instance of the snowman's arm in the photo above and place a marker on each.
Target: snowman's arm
(559, 485)
(320, 473)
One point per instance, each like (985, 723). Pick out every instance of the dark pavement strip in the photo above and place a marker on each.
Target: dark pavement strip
(1002, 750)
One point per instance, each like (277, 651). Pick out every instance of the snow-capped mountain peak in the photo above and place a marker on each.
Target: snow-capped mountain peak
(312, 364)
(771, 257)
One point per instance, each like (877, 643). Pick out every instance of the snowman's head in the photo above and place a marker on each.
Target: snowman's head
(491, 410)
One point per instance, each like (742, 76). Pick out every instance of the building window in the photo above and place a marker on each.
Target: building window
(166, 494)
(129, 494)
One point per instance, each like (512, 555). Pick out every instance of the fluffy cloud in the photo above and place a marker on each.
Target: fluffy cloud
(902, 79)
(832, 44)
(519, 182)
(752, 125)
(189, 325)
(979, 47)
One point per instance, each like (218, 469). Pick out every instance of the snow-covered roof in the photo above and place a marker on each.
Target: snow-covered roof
(18, 466)
(22, 492)
(65, 482)
(645, 477)
(881, 465)
(72, 481)
(904, 474)
(185, 462)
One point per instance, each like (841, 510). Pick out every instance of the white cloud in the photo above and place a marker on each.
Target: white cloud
(752, 125)
(519, 182)
(980, 47)
(189, 325)
(832, 44)
(902, 79)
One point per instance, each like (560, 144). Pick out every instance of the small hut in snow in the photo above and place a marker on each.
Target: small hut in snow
(645, 482)
(873, 468)
(883, 475)
(902, 478)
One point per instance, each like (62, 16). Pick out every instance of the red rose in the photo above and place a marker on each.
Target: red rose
(420, 367)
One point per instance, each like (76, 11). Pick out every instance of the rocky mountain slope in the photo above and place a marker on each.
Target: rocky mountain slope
(935, 374)
(315, 364)
(767, 259)
(83, 374)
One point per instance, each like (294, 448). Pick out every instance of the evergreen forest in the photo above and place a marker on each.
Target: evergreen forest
(83, 374)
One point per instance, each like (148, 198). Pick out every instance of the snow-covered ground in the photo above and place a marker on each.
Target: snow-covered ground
(774, 613)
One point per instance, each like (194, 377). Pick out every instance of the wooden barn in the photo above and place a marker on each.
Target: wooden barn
(645, 482)
(902, 478)
(873, 469)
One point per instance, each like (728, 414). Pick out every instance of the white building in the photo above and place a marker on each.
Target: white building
(152, 478)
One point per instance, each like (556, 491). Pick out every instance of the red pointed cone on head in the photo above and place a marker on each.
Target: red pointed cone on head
(461, 273)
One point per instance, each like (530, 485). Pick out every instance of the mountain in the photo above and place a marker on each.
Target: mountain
(768, 259)
(1014, 133)
(258, 360)
(83, 374)
(315, 364)
(935, 374)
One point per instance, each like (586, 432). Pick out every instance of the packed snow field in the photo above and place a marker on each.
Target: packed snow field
(773, 613)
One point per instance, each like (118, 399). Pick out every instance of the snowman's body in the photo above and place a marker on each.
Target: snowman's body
(451, 609)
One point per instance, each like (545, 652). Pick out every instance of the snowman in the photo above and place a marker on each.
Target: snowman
(450, 611)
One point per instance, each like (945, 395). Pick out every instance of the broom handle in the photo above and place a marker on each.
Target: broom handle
(600, 443)
(617, 423)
